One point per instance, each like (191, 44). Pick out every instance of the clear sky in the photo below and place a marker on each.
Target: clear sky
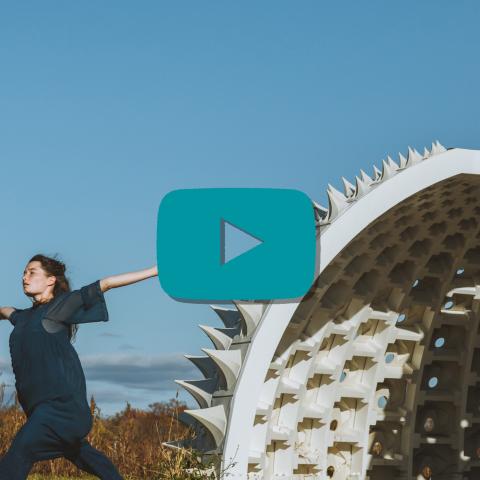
(107, 106)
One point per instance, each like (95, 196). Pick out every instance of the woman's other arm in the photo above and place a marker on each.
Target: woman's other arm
(5, 312)
(115, 281)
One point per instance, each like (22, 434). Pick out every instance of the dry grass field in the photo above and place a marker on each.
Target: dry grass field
(132, 439)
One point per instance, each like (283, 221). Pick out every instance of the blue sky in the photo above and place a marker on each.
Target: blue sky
(107, 106)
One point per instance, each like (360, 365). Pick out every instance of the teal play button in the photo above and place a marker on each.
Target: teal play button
(223, 244)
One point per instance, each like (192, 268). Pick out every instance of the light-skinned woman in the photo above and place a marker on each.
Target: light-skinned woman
(49, 378)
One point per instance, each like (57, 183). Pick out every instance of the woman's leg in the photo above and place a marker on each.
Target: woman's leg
(33, 442)
(93, 461)
(47, 435)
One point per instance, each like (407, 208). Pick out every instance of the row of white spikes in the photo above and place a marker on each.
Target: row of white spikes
(227, 361)
(338, 201)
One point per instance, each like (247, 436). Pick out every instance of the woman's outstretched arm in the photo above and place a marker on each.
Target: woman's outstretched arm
(114, 281)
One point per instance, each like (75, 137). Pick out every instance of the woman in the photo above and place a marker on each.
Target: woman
(48, 375)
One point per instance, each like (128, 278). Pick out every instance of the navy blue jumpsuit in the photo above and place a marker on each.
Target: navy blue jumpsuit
(51, 386)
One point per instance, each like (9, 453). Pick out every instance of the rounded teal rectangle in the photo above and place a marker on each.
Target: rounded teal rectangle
(190, 251)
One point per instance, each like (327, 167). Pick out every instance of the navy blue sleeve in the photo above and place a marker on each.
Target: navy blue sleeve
(12, 317)
(84, 305)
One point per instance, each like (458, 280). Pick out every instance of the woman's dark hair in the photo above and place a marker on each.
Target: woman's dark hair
(53, 266)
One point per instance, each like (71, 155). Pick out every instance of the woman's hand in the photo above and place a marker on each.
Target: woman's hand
(5, 312)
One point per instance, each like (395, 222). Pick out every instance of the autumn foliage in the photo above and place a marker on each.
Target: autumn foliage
(132, 439)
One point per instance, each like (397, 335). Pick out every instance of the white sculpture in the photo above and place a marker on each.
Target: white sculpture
(342, 383)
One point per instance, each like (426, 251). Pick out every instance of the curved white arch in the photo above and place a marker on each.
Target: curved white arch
(332, 239)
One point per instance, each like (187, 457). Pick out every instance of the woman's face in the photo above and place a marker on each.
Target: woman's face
(35, 279)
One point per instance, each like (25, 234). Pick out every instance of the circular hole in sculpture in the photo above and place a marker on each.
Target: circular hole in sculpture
(343, 376)
(432, 382)
(333, 425)
(448, 305)
(330, 471)
(401, 318)
(382, 401)
(377, 448)
(389, 358)
(464, 423)
(460, 271)
(429, 424)
(427, 472)
(439, 342)
(415, 283)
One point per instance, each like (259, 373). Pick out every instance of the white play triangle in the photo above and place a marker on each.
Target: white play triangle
(235, 241)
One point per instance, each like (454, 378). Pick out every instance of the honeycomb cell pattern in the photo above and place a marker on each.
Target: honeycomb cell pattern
(377, 375)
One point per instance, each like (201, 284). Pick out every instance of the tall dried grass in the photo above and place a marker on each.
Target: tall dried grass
(132, 439)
